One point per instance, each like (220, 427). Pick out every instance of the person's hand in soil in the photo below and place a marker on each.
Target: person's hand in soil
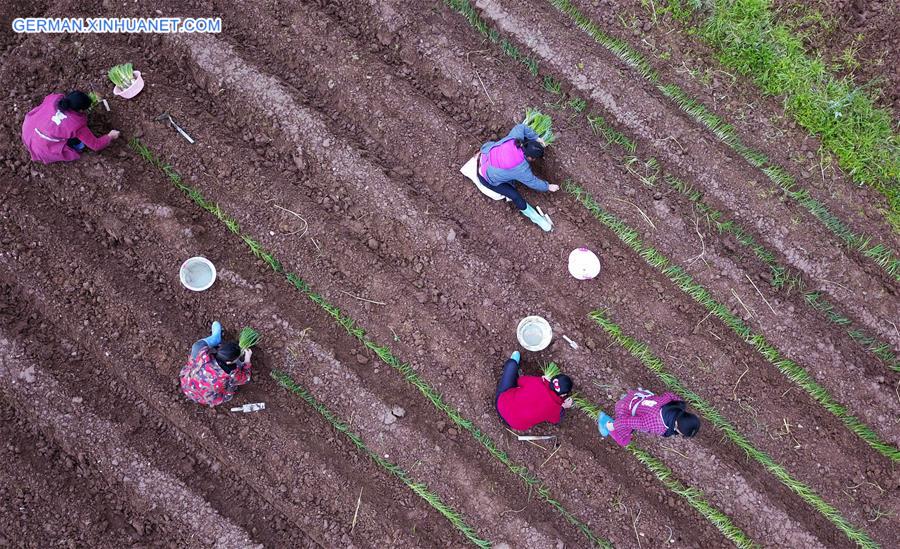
(552, 188)
(567, 403)
(114, 134)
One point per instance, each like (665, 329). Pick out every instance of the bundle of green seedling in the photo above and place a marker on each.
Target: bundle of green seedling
(541, 124)
(122, 75)
(248, 338)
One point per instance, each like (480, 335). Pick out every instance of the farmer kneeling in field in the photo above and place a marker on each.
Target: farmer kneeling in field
(501, 164)
(525, 401)
(56, 131)
(641, 410)
(215, 369)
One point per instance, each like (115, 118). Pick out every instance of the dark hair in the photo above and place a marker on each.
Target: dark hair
(74, 101)
(688, 424)
(533, 149)
(561, 384)
(227, 352)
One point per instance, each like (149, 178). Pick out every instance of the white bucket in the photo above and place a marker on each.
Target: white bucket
(583, 264)
(534, 333)
(197, 274)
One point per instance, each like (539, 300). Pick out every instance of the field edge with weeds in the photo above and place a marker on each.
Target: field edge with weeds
(878, 253)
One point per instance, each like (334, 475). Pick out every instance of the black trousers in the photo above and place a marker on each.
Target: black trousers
(508, 190)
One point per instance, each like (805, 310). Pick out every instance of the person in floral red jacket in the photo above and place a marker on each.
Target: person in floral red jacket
(214, 369)
(641, 410)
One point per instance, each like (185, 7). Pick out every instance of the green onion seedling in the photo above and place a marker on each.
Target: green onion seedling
(248, 338)
(122, 75)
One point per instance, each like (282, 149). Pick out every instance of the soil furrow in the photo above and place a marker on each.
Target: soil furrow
(273, 475)
(55, 494)
(32, 388)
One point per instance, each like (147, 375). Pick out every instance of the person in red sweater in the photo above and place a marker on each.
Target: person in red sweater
(525, 401)
(57, 131)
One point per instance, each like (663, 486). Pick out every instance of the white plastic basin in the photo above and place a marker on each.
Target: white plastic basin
(534, 333)
(197, 274)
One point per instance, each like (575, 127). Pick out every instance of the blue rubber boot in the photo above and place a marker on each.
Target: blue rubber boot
(516, 356)
(537, 218)
(216, 338)
(602, 420)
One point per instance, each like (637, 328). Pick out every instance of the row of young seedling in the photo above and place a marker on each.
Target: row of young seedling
(782, 278)
(419, 488)
(686, 283)
(642, 352)
(883, 256)
(383, 352)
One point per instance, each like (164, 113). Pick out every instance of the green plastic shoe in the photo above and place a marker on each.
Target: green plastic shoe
(541, 221)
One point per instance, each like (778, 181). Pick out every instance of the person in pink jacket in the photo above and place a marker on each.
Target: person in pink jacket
(56, 131)
(641, 410)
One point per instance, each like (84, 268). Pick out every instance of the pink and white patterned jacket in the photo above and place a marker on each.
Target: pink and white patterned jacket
(205, 382)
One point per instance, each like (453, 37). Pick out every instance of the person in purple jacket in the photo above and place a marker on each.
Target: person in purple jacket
(56, 130)
(502, 164)
(641, 410)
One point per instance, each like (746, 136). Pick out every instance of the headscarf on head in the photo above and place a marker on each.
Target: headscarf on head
(670, 414)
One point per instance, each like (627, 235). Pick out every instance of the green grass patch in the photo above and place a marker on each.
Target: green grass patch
(419, 488)
(676, 274)
(384, 353)
(879, 253)
(749, 39)
(642, 352)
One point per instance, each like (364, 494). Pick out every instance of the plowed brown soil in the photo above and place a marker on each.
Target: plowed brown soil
(356, 116)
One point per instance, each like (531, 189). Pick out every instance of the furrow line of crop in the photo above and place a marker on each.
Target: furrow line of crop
(676, 274)
(419, 488)
(694, 497)
(383, 352)
(782, 277)
(879, 253)
(642, 352)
